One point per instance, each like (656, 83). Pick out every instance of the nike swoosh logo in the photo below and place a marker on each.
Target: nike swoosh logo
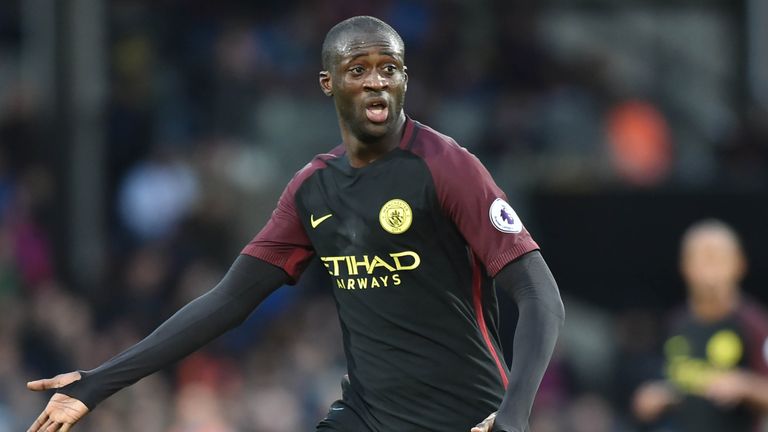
(315, 222)
(336, 409)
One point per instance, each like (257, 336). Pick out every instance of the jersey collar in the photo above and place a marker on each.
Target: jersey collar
(409, 133)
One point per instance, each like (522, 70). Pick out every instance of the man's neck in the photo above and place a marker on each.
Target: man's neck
(709, 310)
(362, 153)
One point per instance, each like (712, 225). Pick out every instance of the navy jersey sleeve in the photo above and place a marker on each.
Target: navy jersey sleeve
(478, 207)
(283, 242)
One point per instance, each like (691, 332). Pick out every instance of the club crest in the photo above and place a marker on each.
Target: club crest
(395, 216)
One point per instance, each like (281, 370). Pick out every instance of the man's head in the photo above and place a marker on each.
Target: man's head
(712, 262)
(364, 70)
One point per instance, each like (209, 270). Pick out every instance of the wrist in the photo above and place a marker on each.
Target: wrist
(508, 426)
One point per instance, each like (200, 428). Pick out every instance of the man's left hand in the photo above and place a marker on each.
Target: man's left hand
(728, 388)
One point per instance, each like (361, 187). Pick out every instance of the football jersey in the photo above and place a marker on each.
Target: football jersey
(696, 352)
(411, 243)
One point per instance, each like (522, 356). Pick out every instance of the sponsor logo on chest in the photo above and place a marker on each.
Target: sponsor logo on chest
(370, 271)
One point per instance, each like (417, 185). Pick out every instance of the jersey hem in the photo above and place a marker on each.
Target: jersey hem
(510, 255)
(276, 259)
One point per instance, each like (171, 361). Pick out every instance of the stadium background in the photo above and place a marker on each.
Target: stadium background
(143, 143)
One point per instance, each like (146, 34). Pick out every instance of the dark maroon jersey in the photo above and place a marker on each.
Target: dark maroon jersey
(411, 242)
(696, 352)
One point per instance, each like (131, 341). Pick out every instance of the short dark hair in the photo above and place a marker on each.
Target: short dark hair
(363, 23)
(711, 225)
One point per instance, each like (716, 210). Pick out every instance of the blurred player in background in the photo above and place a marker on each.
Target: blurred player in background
(716, 357)
(414, 234)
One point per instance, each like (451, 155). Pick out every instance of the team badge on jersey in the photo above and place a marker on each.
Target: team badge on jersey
(395, 216)
(725, 349)
(504, 218)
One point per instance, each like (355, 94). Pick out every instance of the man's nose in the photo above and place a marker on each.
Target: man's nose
(376, 81)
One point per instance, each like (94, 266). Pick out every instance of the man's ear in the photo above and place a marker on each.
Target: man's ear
(405, 72)
(326, 83)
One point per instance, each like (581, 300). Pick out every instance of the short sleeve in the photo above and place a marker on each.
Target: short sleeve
(479, 208)
(283, 242)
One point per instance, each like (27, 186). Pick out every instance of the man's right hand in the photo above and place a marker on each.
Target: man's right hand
(62, 411)
(652, 399)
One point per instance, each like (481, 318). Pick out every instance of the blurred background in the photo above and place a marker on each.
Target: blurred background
(142, 144)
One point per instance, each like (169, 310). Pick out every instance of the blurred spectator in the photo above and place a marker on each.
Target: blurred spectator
(640, 143)
(590, 413)
(155, 196)
(198, 410)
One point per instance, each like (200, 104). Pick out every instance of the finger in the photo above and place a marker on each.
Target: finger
(39, 385)
(53, 427)
(39, 422)
(47, 425)
(66, 427)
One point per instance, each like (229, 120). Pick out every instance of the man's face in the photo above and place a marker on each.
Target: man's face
(368, 81)
(712, 265)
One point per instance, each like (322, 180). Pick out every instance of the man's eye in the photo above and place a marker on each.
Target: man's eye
(390, 69)
(357, 70)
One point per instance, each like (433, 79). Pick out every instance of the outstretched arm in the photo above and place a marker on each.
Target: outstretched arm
(246, 284)
(529, 281)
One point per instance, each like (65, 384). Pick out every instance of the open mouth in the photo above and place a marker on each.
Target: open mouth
(377, 110)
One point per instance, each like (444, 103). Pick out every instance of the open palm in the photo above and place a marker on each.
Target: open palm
(62, 411)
